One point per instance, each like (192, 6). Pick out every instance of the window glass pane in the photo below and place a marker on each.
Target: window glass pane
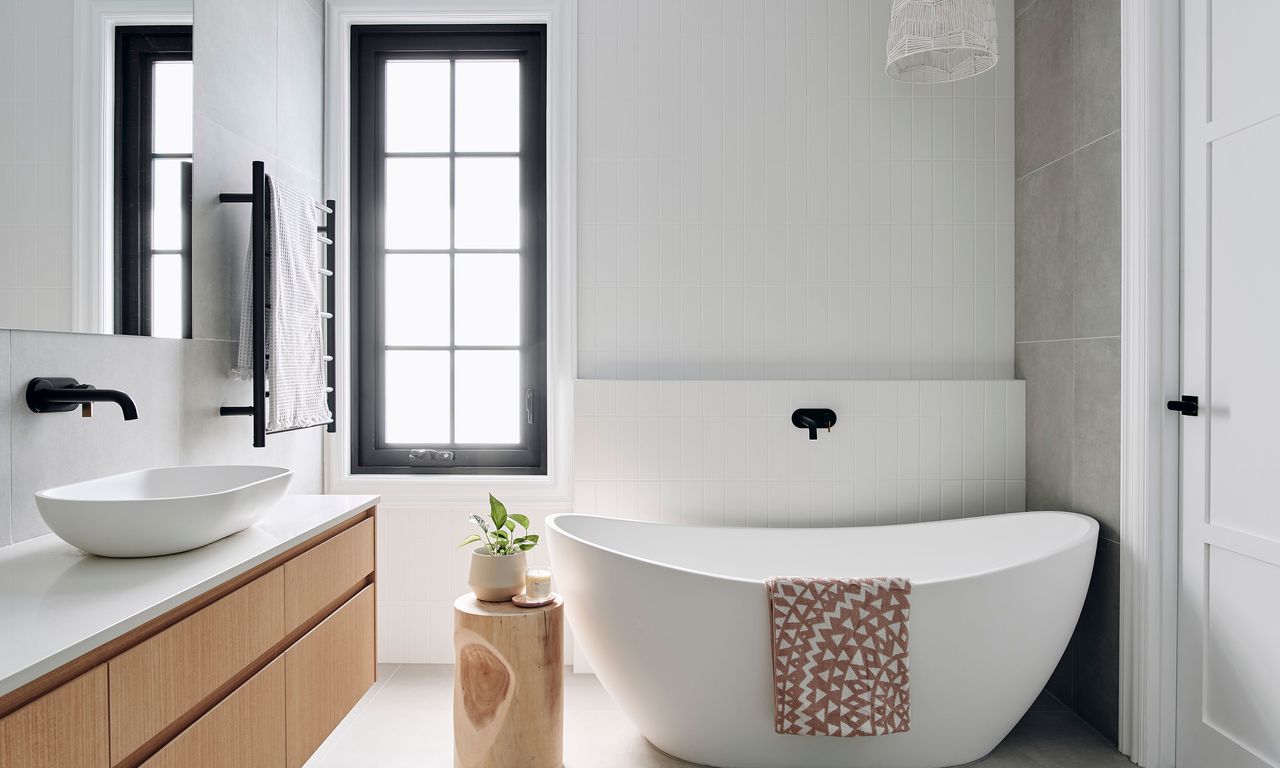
(417, 106)
(417, 299)
(417, 202)
(488, 104)
(488, 202)
(487, 292)
(489, 404)
(166, 204)
(417, 397)
(166, 295)
(171, 107)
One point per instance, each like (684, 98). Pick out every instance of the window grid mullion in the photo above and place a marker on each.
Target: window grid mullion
(453, 256)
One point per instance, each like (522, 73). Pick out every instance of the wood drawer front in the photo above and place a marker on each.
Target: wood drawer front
(245, 730)
(63, 729)
(319, 576)
(157, 681)
(326, 673)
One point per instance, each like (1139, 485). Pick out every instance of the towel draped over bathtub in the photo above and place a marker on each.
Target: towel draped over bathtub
(840, 663)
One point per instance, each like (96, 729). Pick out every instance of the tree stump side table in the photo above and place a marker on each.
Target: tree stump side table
(508, 689)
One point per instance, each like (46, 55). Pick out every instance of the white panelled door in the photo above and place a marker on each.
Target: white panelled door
(1229, 612)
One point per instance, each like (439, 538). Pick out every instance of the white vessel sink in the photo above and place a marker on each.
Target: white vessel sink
(161, 511)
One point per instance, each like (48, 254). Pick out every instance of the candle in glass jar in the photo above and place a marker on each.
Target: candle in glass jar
(537, 583)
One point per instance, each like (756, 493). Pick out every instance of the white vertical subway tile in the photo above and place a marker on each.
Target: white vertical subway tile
(973, 501)
(952, 505)
(995, 499)
(995, 434)
(1015, 430)
(974, 430)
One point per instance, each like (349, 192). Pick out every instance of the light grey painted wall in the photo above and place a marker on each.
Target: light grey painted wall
(178, 387)
(1067, 325)
(758, 200)
(259, 95)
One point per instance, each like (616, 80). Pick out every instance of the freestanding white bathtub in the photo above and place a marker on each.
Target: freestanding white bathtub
(674, 621)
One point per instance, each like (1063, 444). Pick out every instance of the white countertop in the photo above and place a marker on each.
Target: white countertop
(57, 603)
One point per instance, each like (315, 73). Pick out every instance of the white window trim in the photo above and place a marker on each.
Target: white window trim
(93, 148)
(555, 489)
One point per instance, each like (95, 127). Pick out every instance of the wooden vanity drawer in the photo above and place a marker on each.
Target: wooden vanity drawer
(245, 730)
(65, 728)
(319, 576)
(326, 673)
(154, 683)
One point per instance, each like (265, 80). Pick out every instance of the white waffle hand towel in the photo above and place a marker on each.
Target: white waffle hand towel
(294, 334)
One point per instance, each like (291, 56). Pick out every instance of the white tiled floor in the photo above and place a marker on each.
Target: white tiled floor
(406, 720)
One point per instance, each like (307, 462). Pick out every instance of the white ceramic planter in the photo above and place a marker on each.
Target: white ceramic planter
(496, 578)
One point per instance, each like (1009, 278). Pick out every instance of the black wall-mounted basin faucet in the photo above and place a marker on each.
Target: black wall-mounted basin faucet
(814, 419)
(58, 394)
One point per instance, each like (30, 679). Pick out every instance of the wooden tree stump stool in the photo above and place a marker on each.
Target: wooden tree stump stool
(508, 689)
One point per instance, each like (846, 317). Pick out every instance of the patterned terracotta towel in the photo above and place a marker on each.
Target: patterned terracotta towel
(840, 664)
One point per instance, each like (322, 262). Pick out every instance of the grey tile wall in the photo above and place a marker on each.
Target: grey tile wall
(178, 387)
(266, 103)
(1067, 306)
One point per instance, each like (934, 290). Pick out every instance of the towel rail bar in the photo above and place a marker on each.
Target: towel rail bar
(260, 278)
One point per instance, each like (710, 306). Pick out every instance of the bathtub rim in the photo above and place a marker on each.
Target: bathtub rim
(1092, 528)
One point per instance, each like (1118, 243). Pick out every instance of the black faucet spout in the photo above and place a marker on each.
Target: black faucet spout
(813, 419)
(60, 394)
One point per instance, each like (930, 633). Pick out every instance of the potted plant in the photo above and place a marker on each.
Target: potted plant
(498, 563)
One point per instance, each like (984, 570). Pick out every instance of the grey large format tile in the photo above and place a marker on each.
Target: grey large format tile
(1097, 69)
(220, 233)
(1043, 94)
(6, 486)
(407, 720)
(1096, 646)
(1060, 682)
(237, 39)
(300, 97)
(1095, 473)
(1054, 740)
(57, 448)
(1046, 367)
(1044, 253)
(1097, 239)
(205, 437)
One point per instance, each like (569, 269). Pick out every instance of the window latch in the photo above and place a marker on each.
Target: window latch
(528, 405)
(427, 453)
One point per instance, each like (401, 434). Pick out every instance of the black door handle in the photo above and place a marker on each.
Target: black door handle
(1188, 405)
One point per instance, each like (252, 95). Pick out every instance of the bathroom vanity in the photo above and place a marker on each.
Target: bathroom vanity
(246, 652)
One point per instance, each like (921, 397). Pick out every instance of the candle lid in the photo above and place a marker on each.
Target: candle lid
(524, 601)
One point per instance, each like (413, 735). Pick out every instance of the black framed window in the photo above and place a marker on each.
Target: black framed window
(153, 138)
(449, 249)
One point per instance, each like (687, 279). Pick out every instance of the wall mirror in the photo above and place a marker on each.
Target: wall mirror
(95, 172)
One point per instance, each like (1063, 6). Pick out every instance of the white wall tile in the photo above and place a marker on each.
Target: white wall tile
(798, 175)
(901, 451)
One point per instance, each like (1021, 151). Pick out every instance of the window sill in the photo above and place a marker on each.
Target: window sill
(450, 490)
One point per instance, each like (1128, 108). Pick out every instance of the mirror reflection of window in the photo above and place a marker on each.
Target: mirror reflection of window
(153, 156)
(171, 147)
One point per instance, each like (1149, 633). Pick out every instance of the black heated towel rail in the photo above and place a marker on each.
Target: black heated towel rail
(326, 234)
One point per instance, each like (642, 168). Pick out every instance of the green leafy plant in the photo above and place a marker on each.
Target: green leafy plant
(498, 532)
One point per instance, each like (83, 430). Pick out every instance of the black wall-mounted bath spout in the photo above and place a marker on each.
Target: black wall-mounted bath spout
(814, 419)
(58, 394)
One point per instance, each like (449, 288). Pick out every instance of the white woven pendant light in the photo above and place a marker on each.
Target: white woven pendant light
(939, 41)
